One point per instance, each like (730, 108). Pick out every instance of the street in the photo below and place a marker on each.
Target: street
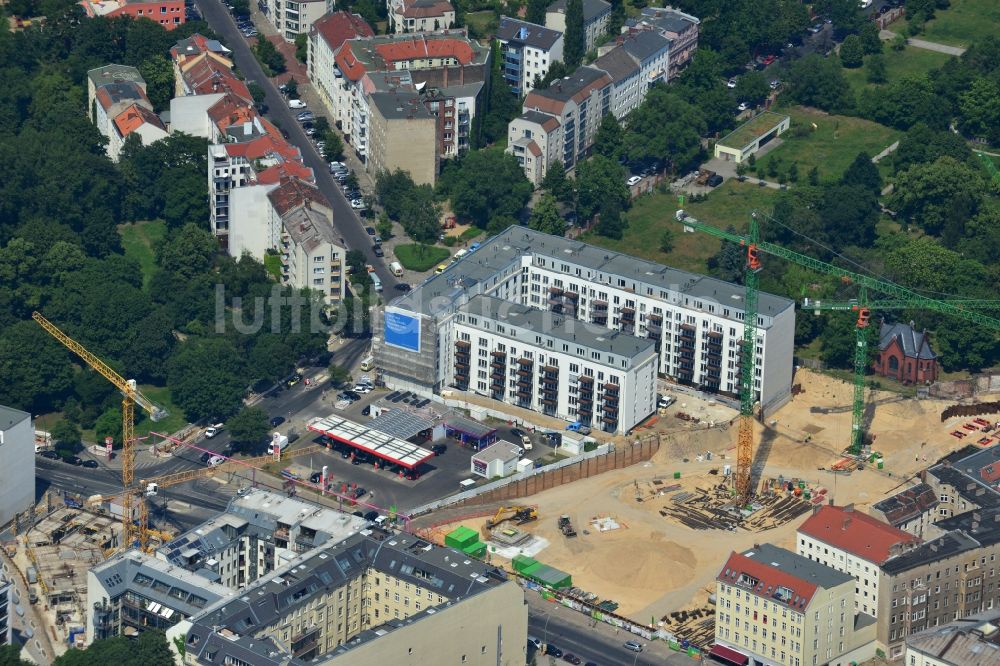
(345, 220)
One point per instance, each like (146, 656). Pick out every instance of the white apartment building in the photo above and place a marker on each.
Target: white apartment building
(596, 14)
(7, 610)
(775, 607)
(311, 255)
(419, 15)
(553, 364)
(17, 463)
(326, 36)
(526, 52)
(694, 322)
(854, 543)
(292, 17)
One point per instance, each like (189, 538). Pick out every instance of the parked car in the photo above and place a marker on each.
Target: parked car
(377, 249)
(816, 28)
(769, 59)
(215, 461)
(714, 181)
(51, 455)
(403, 287)
(553, 651)
(296, 104)
(358, 493)
(214, 430)
(572, 658)
(775, 84)
(75, 460)
(731, 83)
(92, 464)
(206, 456)
(370, 231)
(742, 107)
(633, 646)
(277, 421)
(439, 449)
(634, 180)
(371, 516)
(367, 411)
(357, 204)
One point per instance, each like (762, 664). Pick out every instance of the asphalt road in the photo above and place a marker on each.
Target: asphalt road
(589, 644)
(345, 220)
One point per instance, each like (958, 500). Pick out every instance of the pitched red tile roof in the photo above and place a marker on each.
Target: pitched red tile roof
(855, 532)
(270, 144)
(229, 111)
(134, 117)
(209, 76)
(401, 50)
(768, 579)
(292, 193)
(338, 27)
(291, 169)
(535, 150)
(426, 8)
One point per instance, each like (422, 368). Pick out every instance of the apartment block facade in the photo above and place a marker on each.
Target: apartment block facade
(596, 16)
(167, 13)
(527, 51)
(694, 322)
(853, 543)
(776, 607)
(553, 364)
(420, 15)
(7, 610)
(312, 256)
(327, 35)
(374, 598)
(119, 107)
(680, 29)
(293, 17)
(403, 135)
(17, 463)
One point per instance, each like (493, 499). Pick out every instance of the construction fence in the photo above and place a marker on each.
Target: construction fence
(958, 389)
(978, 409)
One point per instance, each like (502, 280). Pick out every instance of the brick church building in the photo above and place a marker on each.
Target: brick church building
(905, 355)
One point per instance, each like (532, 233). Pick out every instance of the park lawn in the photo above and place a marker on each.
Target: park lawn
(482, 23)
(160, 395)
(832, 146)
(965, 22)
(272, 262)
(728, 205)
(420, 258)
(910, 62)
(139, 240)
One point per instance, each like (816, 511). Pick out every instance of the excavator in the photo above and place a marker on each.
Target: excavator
(519, 514)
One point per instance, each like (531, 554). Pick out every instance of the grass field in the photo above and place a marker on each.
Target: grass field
(729, 205)
(832, 146)
(420, 258)
(482, 23)
(139, 240)
(143, 425)
(965, 22)
(272, 262)
(910, 62)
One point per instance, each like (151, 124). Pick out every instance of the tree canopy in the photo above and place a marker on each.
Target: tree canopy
(485, 184)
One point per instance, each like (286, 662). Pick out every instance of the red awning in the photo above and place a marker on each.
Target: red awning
(728, 655)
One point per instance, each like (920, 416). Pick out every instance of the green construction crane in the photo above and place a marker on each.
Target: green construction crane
(754, 246)
(863, 306)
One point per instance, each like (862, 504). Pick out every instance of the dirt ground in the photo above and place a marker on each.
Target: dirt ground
(653, 565)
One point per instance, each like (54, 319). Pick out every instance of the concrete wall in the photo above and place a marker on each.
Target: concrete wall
(17, 463)
(249, 217)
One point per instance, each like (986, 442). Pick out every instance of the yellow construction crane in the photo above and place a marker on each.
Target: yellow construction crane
(131, 396)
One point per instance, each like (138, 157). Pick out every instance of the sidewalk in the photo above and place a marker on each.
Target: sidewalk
(924, 44)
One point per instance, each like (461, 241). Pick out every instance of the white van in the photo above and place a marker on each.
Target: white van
(368, 363)
(376, 281)
(215, 461)
(468, 483)
(396, 268)
(461, 253)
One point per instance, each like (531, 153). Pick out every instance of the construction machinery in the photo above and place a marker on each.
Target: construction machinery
(132, 531)
(566, 526)
(519, 514)
(863, 306)
(754, 246)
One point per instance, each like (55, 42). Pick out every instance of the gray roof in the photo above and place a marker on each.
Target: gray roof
(645, 44)
(523, 321)
(908, 504)
(537, 117)
(915, 345)
(400, 424)
(969, 487)
(309, 228)
(968, 641)
(798, 566)
(979, 461)
(111, 73)
(669, 20)
(468, 426)
(235, 623)
(565, 89)
(943, 547)
(983, 525)
(159, 581)
(400, 105)
(500, 450)
(618, 63)
(529, 34)
(443, 294)
(591, 8)
(399, 79)
(10, 417)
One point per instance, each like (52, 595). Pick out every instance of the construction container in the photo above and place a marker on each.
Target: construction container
(802, 485)
(522, 563)
(798, 492)
(807, 494)
(677, 475)
(461, 537)
(880, 464)
(477, 549)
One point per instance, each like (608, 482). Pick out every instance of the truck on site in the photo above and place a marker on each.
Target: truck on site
(396, 268)
(277, 444)
(214, 430)
(566, 526)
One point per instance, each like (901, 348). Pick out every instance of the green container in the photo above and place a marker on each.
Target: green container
(677, 475)
(802, 485)
(807, 494)
(881, 464)
(674, 645)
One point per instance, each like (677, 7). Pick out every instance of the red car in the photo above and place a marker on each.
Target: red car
(769, 59)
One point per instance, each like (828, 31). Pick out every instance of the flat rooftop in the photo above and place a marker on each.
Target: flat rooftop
(366, 438)
(751, 130)
(519, 246)
(501, 450)
(968, 641)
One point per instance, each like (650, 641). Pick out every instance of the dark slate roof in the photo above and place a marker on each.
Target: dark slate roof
(565, 89)
(908, 504)
(645, 44)
(591, 8)
(529, 34)
(983, 525)
(618, 63)
(666, 19)
(943, 547)
(968, 487)
(914, 344)
(9, 417)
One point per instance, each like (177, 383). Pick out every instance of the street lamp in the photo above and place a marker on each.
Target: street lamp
(548, 616)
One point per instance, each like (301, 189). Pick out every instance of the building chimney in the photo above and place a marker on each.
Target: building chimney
(849, 508)
(829, 502)
(847, 523)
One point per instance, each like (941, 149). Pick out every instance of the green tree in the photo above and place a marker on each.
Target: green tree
(813, 176)
(817, 81)
(37, 371)
(751, 88)
(611, 223)
(384, 226)
(862, 172)
(292, 88)
(249, 426)
(664, 127)
(793, 172)
(875, 70)
(302, 47)
(903, 103)
(421, 216)
(536, 11)
(333, 147)
(339, 375)
(206, 378)
(257, 93)
(940, 197)
(158, 73)
(557, 70)
(187, 252)
(609, 137)
(486, 184)
(574, 39)
(667, 241)
(871, 44)
(979, 110)
(268, 56)
(922, 144)
(109, 424)
(241, 8)
(839, 340)
(556, 183)
(727, 264)
(502, 106)
(10, 655)
(600, 182)
(150, 649)
(545, 217)
(66, 438)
